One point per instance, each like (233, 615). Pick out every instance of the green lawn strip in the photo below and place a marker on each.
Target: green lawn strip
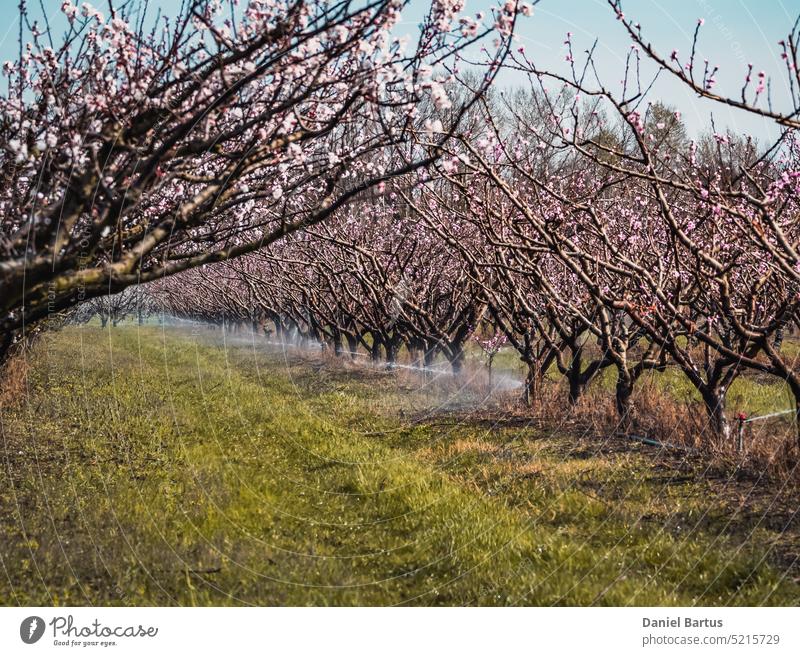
(151, 468)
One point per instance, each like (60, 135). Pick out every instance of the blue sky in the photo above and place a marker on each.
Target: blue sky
(736, 32)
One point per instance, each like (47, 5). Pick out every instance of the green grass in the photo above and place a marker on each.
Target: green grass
(154, 467)
(751, 394)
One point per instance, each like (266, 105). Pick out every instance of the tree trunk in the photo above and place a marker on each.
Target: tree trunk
(391, 354)
(797, 419)
(794, 385)
(457, 361)
(623, 402)
(577, 386)
(414, 355)
(714, 400)
(375, 351)
(352, 345)
(534, 383)
(427, 358)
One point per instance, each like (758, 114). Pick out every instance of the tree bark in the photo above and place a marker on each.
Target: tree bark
(623, 399)
(337, 344)
(577, 387)
(352, 345)
(714, 400)
(457, 360)
(577, 384)
(534, 382)
(391, 355)
(375, 351)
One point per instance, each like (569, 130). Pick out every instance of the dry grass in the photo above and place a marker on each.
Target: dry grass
(770, 447)
(14, 379)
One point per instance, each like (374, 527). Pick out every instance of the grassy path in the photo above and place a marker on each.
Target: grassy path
(154, 468)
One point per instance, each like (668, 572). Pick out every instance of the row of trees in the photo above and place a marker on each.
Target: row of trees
(581, 224)
(111, 309)
(135, 145)
(291, 165)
